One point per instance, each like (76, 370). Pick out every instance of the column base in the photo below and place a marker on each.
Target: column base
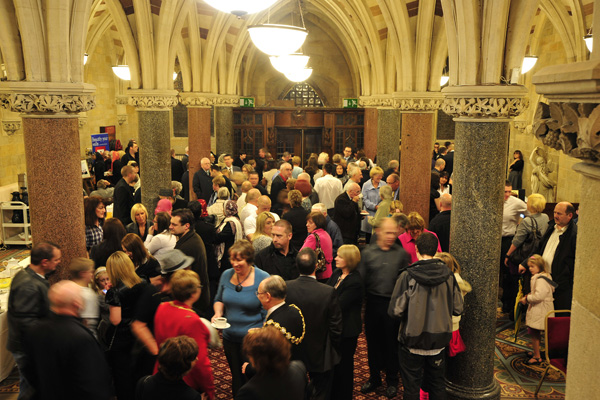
(457, 392)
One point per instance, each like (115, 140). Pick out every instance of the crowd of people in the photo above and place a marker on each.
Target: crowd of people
(282, 259)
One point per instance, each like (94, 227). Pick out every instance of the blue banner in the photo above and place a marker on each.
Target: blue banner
(100, 142)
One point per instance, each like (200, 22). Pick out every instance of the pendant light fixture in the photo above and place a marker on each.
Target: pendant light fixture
(528, 63)
(276, 39)
(589, 40)
(240, 7)
(289, 62)
(122, 72)
(299, 75)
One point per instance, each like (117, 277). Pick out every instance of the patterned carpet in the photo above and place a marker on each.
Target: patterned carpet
(517, 380)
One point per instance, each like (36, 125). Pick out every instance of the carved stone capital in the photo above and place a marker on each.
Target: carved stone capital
(152, 99)
(122, 100)
(46, 97)
(10, 127)
(418, 101)
(194, 99)
(485, 102)
(121, 119)
(377, 101)
(82, 122)
(570, 127)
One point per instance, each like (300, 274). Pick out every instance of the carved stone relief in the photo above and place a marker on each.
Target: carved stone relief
(47, 103)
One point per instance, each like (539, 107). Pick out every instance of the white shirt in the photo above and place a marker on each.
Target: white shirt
(160, 243)
(328, 188)
(250, 223)
(249, 209)
(513, 208)
(241, 202)
(551, 246)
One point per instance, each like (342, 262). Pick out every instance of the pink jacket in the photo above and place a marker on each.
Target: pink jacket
(409, 245)
(327, 247)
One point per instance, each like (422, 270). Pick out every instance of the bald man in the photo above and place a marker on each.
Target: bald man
(263, 204)
(66, 360)
(440, 224)
(202, 183)
(347, 213)
(246, 186)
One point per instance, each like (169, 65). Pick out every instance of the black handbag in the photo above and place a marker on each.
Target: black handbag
(321, 261)
(529, 246)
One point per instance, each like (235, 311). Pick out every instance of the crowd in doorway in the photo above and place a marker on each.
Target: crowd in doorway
(282, 255)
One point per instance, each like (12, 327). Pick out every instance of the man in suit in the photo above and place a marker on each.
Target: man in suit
(323, 319)
(440, 224)
(123, 195)
(176, 167)
(381, 264)
(449, 158)
(240, 161)
(348, 155)
(228, 160)
(202, 183)
(347, 213)
(287, 318)
(279, 183)
(394, 181)
(66, 360)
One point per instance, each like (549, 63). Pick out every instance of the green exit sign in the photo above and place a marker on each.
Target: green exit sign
(350, 103)
(246, 101)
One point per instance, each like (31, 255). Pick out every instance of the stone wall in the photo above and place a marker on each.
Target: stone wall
(550, 51)
(12, 152)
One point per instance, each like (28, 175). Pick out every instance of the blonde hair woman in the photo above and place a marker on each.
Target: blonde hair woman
(140, 224)
(262, 237)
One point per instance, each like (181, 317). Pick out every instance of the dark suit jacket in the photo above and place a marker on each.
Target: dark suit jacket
(297, 217)
(191, 245)
(66, 361)
(350, 295)
(323, 318)
(202, 185)
(290, 386)
(440, 225)
(176, 169)
(123, 201)
(347, 216)
(134, 228)
(262, 190)
(449, 158)
(276, 187)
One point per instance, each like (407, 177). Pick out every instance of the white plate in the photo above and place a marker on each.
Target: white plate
(227, 325)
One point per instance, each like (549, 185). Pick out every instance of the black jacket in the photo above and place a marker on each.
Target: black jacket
(350, 295)
(347, 216)
(176, 169)
(27, 304)
(123, 201)
(191, 245)
(288, 319)
(297, 217)
(440, 225)
(273, 262)
(323, 318)
(290, 386)
(134, 228)
(157, 387)
(66, 361)
(276, 187)
(202, 185)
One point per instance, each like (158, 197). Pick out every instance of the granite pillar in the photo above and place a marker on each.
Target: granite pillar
(224, 129)
(155, 154)
(582, 382)
(370, 132)
(388, 136)
(475, 232)
(415, 163)
(198, 140)
(55, 186)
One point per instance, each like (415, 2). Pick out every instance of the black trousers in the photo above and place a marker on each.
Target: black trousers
(235, 359)
(120, 363)
(417, 370)
(319, 387)
(381, 332)
(509, 282)
(343, 373)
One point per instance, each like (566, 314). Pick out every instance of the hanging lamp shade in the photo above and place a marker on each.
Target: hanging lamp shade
(528, 63)
(444, 79)
(240, 7)
(85, 58)
(289, 62)
(589, 41)
(277, 40)
(122, 72)
(299, 75)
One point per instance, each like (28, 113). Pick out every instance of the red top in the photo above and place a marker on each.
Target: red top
(327, 247)
(175, 319)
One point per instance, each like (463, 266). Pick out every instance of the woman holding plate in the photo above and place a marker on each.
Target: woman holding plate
(236, 300)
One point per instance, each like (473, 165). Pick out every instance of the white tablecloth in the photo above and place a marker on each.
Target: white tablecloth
(7, 363)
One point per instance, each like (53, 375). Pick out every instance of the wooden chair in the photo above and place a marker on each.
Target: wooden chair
(557, 344)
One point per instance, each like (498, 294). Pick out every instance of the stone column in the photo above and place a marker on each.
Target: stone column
(51, 136)
(482, 116)
(370, 132)
(224, 129)
(418, 130)
(388, 135)
(154, 134)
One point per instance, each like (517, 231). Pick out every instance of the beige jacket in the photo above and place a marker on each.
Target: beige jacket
(540, 301)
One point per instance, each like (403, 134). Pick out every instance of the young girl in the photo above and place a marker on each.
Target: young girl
(82, 273)
(540, 302)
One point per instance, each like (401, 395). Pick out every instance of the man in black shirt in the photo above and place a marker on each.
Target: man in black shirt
(440, 224)
(279, 258)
